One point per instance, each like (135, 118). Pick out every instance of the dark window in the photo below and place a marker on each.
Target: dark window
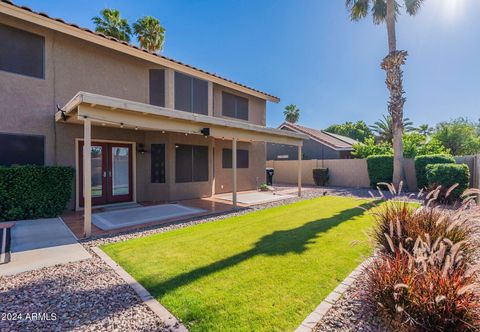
(191, 94)
(157, 87)
(22, 150)
(242, 158)
(191, 163)
(234, 106)
(157, 153)
(21, 52)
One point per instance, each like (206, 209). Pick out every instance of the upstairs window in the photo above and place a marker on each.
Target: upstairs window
(191, 94)
(234, 106)
(157, 87)
(21, 52)
(242, 158)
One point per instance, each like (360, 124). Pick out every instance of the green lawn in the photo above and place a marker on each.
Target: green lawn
(261, 271)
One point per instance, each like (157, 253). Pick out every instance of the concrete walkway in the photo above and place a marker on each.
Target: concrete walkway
(41, 243)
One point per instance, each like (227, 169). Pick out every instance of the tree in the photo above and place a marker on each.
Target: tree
(111, 24)
(150, 34)
(371, 148)
(416, 144)
(384, 128)
(459, 136)
(425, 129)
(356, 130)
(386, 11)
(292, 113)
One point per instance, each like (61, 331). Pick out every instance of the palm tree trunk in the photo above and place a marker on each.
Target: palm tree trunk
(392, 65)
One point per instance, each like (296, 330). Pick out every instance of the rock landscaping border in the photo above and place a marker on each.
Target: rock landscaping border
(322, 309)
(170, 321)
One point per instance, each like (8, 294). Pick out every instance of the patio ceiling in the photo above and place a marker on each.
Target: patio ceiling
(115, 112)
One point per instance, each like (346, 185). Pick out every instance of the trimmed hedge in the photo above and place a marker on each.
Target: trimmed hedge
(380, 169)
(320, 176)
(30, 192)
(446, 175)
(421, 163)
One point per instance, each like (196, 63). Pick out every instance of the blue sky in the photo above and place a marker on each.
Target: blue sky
(309, 53)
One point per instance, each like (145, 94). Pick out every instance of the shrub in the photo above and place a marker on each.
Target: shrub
(421, 163)
(446, 176)
(29, 192)
(380, 169)
(425, 276)
(320, 176)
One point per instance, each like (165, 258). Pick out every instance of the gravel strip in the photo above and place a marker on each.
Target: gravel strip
(351, 313)
(85, 295)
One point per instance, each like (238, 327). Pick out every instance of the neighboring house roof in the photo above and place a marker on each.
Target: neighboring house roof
(334, 141)
(127, 48)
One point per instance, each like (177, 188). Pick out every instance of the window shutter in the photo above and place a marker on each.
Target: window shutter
(200, 163)
(157, 87)
(242, 158)
(183, 163)
(228, 104)
(183, 92)
(200, 96)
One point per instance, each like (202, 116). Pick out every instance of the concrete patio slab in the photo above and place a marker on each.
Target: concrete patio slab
(41, 243)
(136, 216)
(252, 198)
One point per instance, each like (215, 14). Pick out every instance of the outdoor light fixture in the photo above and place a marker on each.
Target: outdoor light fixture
(121, 125)
(205, 132)
(141, 148)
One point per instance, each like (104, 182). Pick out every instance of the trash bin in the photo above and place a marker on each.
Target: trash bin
(269, 174)
(5, 241)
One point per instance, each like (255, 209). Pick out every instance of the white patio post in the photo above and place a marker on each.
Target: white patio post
(234, 172)
(87, 177)
(299, 175)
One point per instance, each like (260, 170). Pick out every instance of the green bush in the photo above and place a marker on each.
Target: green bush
(380, 169)
(30, 192)
(446, 175)
(320, 176)
(421, 163)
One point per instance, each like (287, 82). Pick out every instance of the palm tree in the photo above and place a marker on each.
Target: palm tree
(150, 34)
(425, 129)
(386, 11)
(111, 24)
(383, 128)
(292, 113)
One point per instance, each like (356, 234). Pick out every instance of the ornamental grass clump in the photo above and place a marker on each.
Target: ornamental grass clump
(425, 274)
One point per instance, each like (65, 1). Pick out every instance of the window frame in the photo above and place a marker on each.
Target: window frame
(227, 160)
(192, 178)
(193, 87)
(43, 57)
(236, 98)
(44, 145)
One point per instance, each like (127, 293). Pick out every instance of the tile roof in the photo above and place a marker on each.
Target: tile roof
(335, 141)
(136, 47)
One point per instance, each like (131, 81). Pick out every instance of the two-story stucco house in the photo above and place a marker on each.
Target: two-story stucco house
(157, 129)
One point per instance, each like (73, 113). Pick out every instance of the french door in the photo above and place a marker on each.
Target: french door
(111, 172)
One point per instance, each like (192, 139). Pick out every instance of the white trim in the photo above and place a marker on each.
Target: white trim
(134, 171)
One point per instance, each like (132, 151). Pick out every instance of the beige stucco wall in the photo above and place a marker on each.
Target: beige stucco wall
(28, 106)
(343, 172)
(247, 178)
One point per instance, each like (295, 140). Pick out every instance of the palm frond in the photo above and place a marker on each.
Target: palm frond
(358, 8)
(413, 6)
(379, 11)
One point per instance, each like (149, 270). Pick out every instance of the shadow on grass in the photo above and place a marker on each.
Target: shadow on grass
(295, 240)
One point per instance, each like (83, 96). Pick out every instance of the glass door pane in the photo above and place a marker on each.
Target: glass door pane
(97, 171)
(120, 171)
